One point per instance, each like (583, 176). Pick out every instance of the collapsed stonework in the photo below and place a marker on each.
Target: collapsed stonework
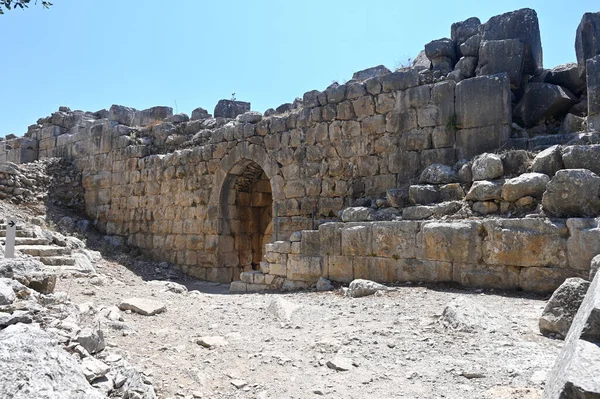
(208, 193)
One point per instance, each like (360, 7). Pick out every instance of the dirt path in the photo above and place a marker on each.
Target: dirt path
(397, 345)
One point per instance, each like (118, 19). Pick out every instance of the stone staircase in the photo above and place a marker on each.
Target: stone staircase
(40, 248)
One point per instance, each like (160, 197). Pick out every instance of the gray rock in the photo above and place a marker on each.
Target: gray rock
(568, 76)
(460, 32)
(582, 157)
(527, 184)
(587, 39)
(543, 101)
(283, 108)
(421, 61)
(178, 118)
(562, 306)
(423, 194)
(324, 285)
(7, 295)
(523, 25)
(151, 115)
(211, 342)
(145, 307)
(91, 340)
(515, 162)
(372, 72)
(310, 99)
(400, 80)
(121, 114)
(270, 112)
(200, 113)
(483, 101)
(357, 214)
(18, 316)
(573, 124)
(335, 93)
(451, 192)
(438, 174)
(572, 192)
(484, 190)
(93, 368)
(398, 197)
(548, 161)
(230, 109)
(487, 167)
(33, 365)
(470, 48)
(360, 288)
(442, 54)
(594, 266)
(250, 117)
(464, 69)
(593, 93)
(136, 386)
(282, 309)
(417, 212)
(496, 56)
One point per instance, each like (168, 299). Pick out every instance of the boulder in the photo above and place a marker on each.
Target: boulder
(421, 61)
(372, 72)
(91, 340)
(464, 69)
(487, 167)
(398, 197)
(515, 162)
(324, 285)
(463, 314)
(178, 118)
(442, 54)
(7, 295)
(470, 48)
(359, 288)
(33, 365)
(461, 31)
(250, 117)
(573, 124)
(587, 39)
(523, 25)
(438, 174)
(152, 115)
(572, 192)
(527, 184)
(543, 101)
(548, 161)
(121, 114)
(423, 194)
(560, 310)
(200, 113)
(357, 214)
(568, 76)
(230, 108)
(594, 266)
(582, 157)
(484, 190)
(483, 101)
(497, 56)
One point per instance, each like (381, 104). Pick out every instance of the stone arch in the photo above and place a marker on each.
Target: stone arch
(247, 185)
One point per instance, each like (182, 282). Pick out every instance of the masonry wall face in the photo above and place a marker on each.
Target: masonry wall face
(350, 141)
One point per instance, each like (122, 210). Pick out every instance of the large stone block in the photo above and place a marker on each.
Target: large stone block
(572, 192)
(304, 268)
(400, 80)
(486, 276)
(497, 56)
(230, 108)
(341, 268)
(477, 140)
(395, 239)
(587, 39)
(525, 242)
(523, 25)
(382, 270)
(582, 157)
(357, 240)
(483, 101)
(330, 235)
(426, 271)
(569, 76)
(543, 101)
(452, 242)
(583, 243)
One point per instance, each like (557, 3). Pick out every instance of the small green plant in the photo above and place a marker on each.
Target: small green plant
(452, 124)
(232, 96)
(396, 257)
(404, 63)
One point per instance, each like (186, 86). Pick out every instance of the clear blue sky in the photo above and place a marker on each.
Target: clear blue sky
(90, 54)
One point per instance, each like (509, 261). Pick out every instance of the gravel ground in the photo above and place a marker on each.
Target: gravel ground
(397, 344)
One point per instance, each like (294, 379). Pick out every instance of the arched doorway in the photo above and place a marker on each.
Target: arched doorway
(247, 209)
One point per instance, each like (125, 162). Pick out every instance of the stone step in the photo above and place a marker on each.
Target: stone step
(30, 241)
(56, 260)
(20, 233)
(240, 286)
(43, 250)
(3, 226)
(252, 277)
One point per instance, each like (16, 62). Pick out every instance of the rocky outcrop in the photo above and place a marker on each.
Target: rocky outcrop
(230, 108)
(562, 307)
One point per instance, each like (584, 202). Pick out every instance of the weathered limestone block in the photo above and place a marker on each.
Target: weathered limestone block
(582, 157)
(335, 93)
(587, 39)
(438, 174)
(369, 73)
(382, 270)
(569, 76)
(543, 101)
(497, 56)
(464, 69)
(543, 279)
(461, 31)
(304, 268)
(199, 113)
(484, 190)
(561, 308)
(400, 80)
(230, 108)
(341, 268)
(426, 271)
(487, 167)
(486, 276)
(470, 48)
(483, 101)
(330, 235)
(576, 372)
(423, 194)
(523, 25)
(527, 184)
(583, 243)
(395, 239)
(357, 240)
(152, 115)
(525, 242)
(548, 161)
(442, 54)
(572, 192)
(452, 242)
(572, 124)
(593, 92)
